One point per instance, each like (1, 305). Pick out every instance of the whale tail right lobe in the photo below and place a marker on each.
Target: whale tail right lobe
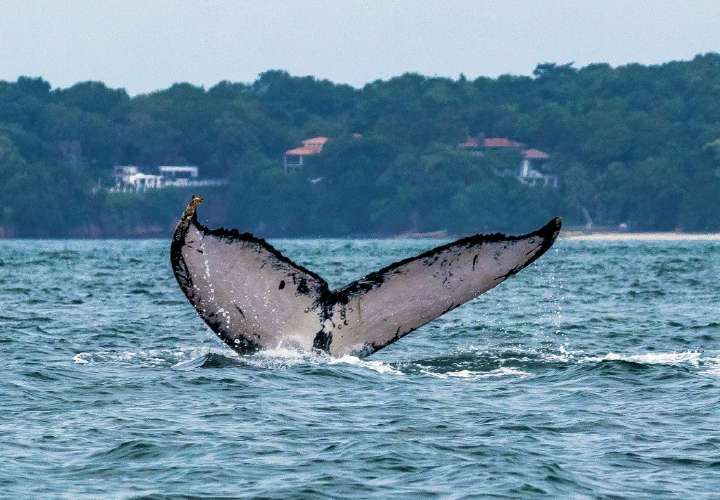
(386, 305)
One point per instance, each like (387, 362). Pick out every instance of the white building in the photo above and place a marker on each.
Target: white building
(142, 182)
(178, 175)
(122, 171)
(130, 178)
(530, 173)
(530, 170)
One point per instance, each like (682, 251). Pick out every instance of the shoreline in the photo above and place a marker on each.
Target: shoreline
(638, 236)
(568, 235)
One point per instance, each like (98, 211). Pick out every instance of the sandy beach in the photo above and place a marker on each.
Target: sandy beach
(657, 236)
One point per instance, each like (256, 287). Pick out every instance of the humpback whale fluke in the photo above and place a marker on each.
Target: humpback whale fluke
(253, 297)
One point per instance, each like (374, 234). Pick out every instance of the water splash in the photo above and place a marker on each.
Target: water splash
(504, 371)
(150, 358)
(651, 358)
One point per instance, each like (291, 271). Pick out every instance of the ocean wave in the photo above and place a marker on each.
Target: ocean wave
(150, 358)
(129, 450)
(378, 366)
(285, 358)
(491, 361)
(713, 371)
(650, 358)
(468, 363)
(712, 366)
(504, 371)
(188, 358)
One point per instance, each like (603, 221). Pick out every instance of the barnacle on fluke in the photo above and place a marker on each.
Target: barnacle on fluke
(253, 297)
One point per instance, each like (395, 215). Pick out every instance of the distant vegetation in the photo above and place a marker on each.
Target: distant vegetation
(634, 144)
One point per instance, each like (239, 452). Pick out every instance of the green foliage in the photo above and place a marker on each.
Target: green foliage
(633, 144)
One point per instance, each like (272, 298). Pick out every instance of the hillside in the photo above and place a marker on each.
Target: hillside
(637, 145)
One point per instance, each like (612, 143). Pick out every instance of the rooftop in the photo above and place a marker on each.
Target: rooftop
(178, 168)
(311, 146)
(470, 143)
(502, 142)
(321, 140)
(302, 151)
(535, 154)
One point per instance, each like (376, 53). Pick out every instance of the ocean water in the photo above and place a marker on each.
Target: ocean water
(593, 373)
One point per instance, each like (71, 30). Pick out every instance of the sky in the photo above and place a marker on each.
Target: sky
(148, 45)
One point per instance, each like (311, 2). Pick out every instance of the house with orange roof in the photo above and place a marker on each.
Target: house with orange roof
(295, 157)
(479, 142)
(501, 143)
(472, 146)
(530, 170)
(471, 143)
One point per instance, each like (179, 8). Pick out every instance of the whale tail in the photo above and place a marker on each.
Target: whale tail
(253, 297)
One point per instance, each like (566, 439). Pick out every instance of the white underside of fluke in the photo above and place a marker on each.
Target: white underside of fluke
(255, 298)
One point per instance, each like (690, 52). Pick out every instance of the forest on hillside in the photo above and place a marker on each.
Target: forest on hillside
(635, 144)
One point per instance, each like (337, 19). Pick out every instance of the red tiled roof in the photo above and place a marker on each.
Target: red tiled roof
(303, 151)
(470, 143)
(311, 146)
(501, 142)
(314, 143)
(535, 154)
(319, 141)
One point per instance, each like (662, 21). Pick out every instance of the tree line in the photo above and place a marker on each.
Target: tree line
(634, 144)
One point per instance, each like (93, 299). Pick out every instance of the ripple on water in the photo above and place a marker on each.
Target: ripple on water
(594, 373)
